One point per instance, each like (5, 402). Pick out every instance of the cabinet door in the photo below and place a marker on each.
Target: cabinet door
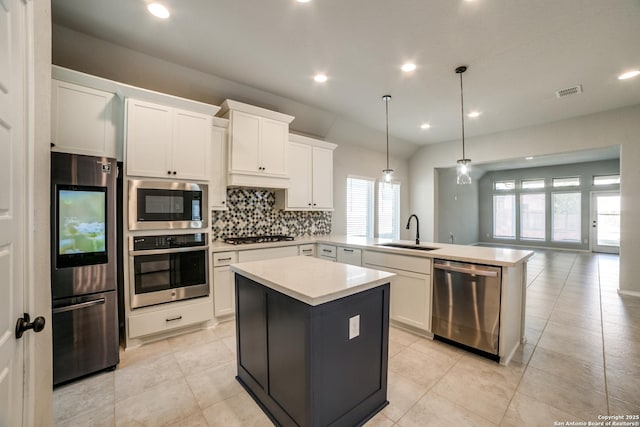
(223, 292)
(322, 178)
(410, 298)
(191, 148)
(148, 139)
(299, 192)
(273, 147)
(82, 120)
(245, 135)
(218, 180)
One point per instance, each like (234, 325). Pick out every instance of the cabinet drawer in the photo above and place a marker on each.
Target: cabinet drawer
(350, 256)
(400, 262)
(224, 258)
(307, 250)
(267, 253)
(169, 318)
(326, 250)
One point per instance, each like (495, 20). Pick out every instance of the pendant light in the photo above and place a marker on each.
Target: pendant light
(387, 172)
(464, 164)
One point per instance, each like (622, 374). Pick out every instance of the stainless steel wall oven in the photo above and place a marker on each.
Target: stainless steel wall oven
(166, 205)
(168, 268)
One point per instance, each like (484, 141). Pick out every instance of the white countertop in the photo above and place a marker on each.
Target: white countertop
(311, 280)
(504, 257)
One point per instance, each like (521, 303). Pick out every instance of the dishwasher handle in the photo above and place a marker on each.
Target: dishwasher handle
(486, 273)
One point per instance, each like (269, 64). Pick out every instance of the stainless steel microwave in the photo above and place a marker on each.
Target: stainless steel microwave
(165, 205)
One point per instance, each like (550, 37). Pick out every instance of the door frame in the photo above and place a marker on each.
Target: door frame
(593, 225)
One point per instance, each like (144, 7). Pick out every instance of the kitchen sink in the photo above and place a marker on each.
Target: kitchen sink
(407, 246)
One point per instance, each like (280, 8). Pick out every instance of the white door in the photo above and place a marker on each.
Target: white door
(148, 139)
(191, 155)
(273, 147)
(299, 193)
(12, 190)
(605, 221)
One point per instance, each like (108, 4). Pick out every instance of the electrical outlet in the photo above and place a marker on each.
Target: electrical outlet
(354, 327)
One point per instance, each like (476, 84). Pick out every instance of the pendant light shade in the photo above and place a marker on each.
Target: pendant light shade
(388, 172)
(464, 164)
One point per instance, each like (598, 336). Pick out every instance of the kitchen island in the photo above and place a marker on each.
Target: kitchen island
(312, 339)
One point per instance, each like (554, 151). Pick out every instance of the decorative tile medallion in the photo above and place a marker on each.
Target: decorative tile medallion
(252, 212)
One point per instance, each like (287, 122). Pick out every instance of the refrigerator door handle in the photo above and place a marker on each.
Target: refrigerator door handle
(78, 306)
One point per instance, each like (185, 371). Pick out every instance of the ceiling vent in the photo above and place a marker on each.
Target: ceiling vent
(573, 90)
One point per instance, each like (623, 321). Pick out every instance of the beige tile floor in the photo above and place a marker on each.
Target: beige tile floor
(581, 361)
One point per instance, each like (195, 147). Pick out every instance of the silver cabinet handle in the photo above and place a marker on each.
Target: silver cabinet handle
(486, 273)
(327, 250)
(307, 250)
(347, 250)
(173, 319)
(78, 306)
(224, 259)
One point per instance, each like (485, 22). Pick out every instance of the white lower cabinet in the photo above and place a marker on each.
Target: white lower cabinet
(349, 256)
(267, 253)
(410, 301)
(327, 252)
(165, 319)
(307, 250)
(223, 284)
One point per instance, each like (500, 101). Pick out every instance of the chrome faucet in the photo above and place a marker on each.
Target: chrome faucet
(417, 227)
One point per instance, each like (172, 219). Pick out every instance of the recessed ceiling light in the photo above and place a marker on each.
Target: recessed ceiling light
(158, 10)
(409, 66)
(474, 114)
(529, 158)
(320, 78)
(303, 1)
(425, 126)
(629, 75)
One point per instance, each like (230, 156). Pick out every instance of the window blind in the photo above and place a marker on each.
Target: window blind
(359, 207)
(388, 210)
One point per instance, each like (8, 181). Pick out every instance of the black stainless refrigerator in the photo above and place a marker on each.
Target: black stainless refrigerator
(83, 265)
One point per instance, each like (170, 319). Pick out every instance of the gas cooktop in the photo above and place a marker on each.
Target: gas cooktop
(256, 239)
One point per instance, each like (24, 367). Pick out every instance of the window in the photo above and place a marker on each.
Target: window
(530, 184)
(504, 216)
(606, 180)
(532, 213)
(359, 207)
(389, 210)
(573, 181)
(565, 217)
(505, 185)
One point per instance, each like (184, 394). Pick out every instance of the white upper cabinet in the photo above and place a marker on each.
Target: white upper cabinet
(257, 146)
(218, 180)
(83, 120)
(166, 142)
(311, 175)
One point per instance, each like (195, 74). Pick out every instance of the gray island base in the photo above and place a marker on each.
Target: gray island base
(312, 354)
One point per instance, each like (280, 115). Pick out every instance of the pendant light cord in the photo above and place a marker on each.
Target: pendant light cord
(462, 113)
(386, 103)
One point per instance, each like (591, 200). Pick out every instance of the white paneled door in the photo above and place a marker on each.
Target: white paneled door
(12, 210)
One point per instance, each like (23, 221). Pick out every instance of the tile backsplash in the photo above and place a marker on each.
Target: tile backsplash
(252, 212)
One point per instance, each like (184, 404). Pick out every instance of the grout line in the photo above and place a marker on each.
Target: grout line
(604, 357)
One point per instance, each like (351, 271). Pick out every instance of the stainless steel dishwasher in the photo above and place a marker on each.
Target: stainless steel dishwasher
(466, 304)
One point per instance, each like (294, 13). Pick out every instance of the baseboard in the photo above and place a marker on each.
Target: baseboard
(629, 293)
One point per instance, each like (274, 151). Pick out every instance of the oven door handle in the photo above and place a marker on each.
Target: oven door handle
(169, 251)
(78, 306)
(487, 273)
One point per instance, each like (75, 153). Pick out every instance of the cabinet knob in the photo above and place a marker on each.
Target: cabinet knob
(168, 172)
(314, 204)
(174, 172)
(309, 204)
(223, 202)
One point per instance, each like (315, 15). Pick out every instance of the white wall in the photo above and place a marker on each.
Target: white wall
(616, 127)
(352, 160)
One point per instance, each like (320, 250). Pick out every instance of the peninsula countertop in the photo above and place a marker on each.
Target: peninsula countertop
(311, 280)
(505, 257)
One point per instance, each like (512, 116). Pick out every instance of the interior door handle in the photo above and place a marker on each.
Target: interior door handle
(24, 324)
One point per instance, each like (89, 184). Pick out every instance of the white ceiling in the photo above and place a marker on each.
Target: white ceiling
(518, 53)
